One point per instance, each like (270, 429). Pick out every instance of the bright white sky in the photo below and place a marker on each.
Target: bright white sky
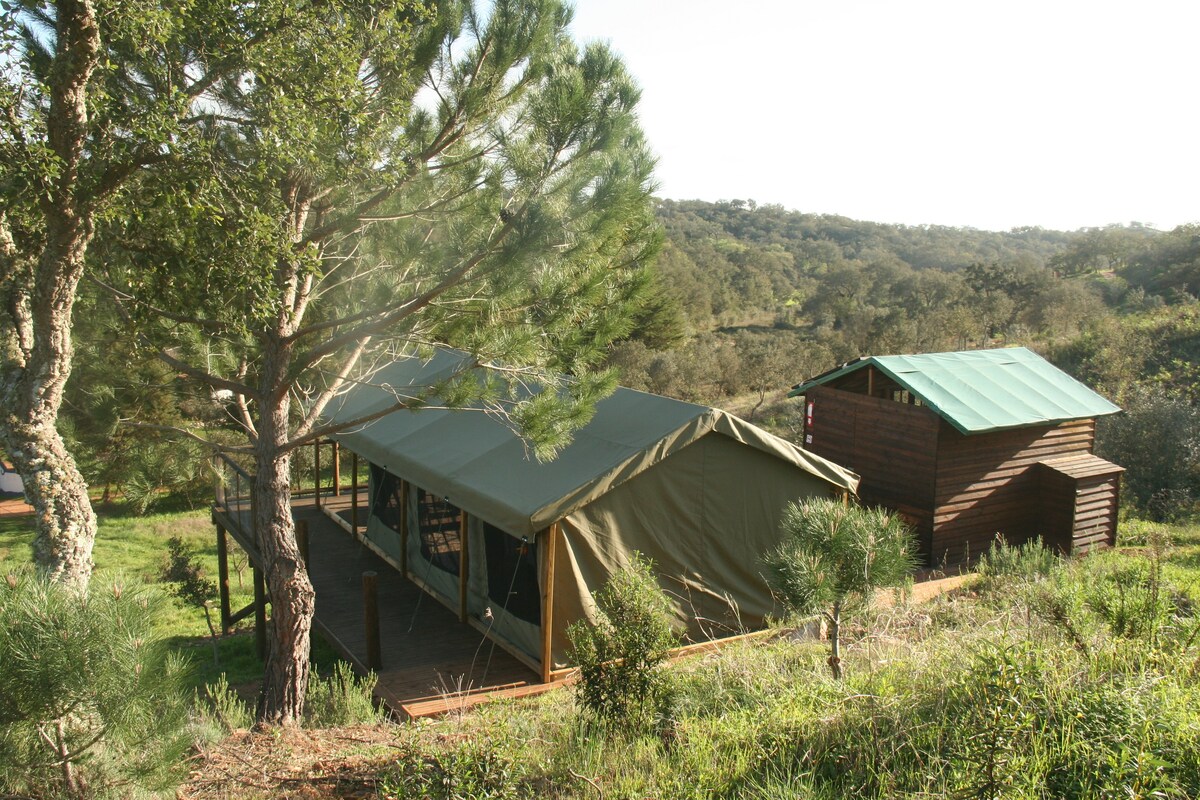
(1058, 113)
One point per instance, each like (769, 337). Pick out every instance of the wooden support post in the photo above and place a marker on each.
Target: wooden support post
(370, 584)
(223, 578)
(337, 469)
(354, 493)
(302, 540)
(260, 615)
(464, 566)
(403, 527)
(548, 603)
(317, 473)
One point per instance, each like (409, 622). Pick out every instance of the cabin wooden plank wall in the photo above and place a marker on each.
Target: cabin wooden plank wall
(893, 447)
(959, 491)
(987, 484)
(1080, 498)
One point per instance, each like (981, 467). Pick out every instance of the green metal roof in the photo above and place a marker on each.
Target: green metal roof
(984, 390)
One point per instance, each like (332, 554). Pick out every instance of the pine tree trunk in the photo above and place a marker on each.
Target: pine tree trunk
(835, 641)
(285, 679)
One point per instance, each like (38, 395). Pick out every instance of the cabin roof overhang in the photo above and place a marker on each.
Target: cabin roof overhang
(978, 391)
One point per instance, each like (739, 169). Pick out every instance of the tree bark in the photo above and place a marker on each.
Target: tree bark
(835, 641)
(285, 677)
(31, 386)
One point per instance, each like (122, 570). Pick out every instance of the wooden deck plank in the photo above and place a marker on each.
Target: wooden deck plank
(432, 663)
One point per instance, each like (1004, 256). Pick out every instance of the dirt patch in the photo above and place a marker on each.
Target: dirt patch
(295, 764)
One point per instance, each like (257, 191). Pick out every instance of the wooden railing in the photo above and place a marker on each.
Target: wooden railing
(234, 507)
(234, 482)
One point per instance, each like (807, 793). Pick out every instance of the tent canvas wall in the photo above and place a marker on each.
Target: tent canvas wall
(519, 546)
(10, 482)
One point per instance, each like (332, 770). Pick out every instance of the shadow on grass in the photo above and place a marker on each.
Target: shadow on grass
(239, 662)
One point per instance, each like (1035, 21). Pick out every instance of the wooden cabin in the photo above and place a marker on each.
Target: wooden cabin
(516, 547)
(969, 445)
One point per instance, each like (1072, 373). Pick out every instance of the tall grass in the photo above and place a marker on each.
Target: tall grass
(994, 692)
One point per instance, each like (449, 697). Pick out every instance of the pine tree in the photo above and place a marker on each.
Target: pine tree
(386, 178)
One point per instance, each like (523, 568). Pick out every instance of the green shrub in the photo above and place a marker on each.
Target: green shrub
(620, 678)
(999, 701)
(220, 709)
(469, 771)
(341, 699)
(91, 703)
(1131, 597)
(183, 569)
(1028, 560)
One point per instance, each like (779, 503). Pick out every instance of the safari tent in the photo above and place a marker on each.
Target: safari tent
(517, 546)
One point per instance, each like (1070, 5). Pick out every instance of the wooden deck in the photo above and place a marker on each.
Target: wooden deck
(431, 662)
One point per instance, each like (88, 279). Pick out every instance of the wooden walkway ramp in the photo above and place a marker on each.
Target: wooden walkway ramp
(431, 662)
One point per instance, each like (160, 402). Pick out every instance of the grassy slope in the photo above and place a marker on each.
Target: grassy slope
(1013, 687)
(916, 716)
(129, 547)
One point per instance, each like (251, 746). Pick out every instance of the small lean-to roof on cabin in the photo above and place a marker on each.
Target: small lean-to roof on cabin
(983, 390)
(479, 462)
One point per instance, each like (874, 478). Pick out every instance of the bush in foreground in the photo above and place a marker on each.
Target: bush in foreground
(620, 678)
(91, 702)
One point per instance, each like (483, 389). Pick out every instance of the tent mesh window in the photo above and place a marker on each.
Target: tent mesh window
(439, 522)
(385, 505)
(512, 574)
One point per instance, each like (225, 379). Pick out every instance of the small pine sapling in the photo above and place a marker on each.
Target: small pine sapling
(834, 557)
(183, 569)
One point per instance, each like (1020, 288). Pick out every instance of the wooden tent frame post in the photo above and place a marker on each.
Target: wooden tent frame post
(548, 604)
(337, 469)
(317, 473)
(404, 490)
(354, 492)
(464, 565)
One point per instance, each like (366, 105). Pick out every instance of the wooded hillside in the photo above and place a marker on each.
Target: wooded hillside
(754, 299)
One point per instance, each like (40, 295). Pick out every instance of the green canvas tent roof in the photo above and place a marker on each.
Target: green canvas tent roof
(983, 390)
(478, 461)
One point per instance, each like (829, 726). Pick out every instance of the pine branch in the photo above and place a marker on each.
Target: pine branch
(216, 447)
(385, 320)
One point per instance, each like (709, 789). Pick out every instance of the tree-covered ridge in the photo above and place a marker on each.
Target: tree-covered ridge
(737, 259)
(757, 298)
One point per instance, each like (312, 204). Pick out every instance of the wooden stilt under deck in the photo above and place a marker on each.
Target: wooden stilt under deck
(223, 579)
(548, 606)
